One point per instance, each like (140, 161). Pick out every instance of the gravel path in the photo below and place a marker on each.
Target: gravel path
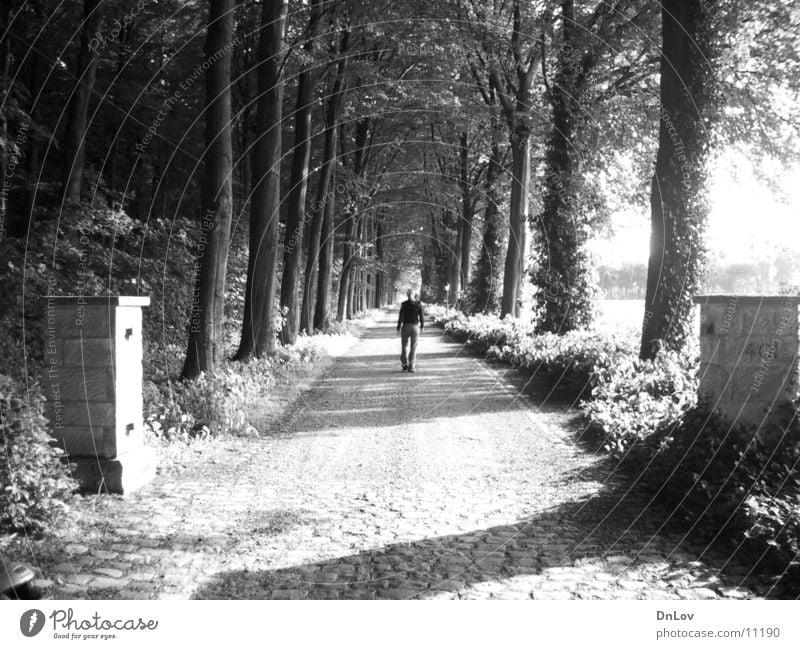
(383, 484)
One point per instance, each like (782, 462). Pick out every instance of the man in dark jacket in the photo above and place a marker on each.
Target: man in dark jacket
(410, 323)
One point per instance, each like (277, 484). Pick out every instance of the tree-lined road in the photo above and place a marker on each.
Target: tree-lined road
(381, 484)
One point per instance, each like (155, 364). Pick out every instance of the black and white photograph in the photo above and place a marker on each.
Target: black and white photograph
(399, 300)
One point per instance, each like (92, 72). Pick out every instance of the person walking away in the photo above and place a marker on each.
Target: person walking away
(410, 323)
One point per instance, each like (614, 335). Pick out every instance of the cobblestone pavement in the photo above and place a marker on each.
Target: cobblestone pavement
(384, 484)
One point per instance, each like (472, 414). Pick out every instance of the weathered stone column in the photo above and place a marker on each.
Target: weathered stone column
(748, 354)
(93, 385)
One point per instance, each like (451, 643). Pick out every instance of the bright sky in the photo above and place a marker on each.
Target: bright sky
(747, 219)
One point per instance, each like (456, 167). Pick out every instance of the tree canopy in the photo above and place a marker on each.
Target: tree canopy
(300, 162)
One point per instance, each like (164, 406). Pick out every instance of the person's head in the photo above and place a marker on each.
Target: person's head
(410, 294)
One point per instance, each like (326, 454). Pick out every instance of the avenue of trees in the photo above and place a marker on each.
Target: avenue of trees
(344, 149)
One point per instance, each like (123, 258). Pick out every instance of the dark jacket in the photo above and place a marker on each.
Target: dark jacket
(411, 313)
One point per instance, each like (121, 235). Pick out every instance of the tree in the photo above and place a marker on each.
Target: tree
(467, 178)
(564, 295)
(76, 127)
(206, 335)
(485, 286)
(5, 94)
(260, 323)
(324, 275)
(588, 68)
(360, 157)
(511, 77)
(469, 199)
(380, 274)
(455, 170)
(295, 218)
(323, 215)
(679, 185)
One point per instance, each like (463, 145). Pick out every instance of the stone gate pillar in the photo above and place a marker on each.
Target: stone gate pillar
(748, 355)
(93, 385)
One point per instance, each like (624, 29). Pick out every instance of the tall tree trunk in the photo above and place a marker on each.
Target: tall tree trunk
(325, 273)
(486, 281)
(33, 164)
(468, 219)
(75, 134)
(5, 144)
(679, 187)
(366, 255)
(324, 194)
(435, 266)
(428, 268)
(358, 271)
(298, 183)
(242, 162)
(344, 308)
(349, 275)
(518, 220)
(454, 267)
(380, 278)
(114, 130)
(206, 339)
(515, 102)
(260, 327)
(377, 302)
(467, 215)
(565, 294)
(352, 275)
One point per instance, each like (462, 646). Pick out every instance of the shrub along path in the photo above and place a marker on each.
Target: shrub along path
(383, 484)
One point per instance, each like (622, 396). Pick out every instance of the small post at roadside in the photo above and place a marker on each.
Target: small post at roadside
(447, 298)
(748, 356)
(93, 384)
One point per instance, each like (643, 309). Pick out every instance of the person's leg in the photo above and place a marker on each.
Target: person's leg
(412, 354)
(403, 344)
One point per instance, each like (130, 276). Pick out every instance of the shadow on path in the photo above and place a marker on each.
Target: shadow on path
(546, 556)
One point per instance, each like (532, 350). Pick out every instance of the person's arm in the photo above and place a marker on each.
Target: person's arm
(421, 319)
(400, 317)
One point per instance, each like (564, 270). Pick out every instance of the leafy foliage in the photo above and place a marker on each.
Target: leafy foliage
(721, 477)
(35, 485)
(573, 360)
(101, 251)
(625, 399)
(634, 398)
(220, 404)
